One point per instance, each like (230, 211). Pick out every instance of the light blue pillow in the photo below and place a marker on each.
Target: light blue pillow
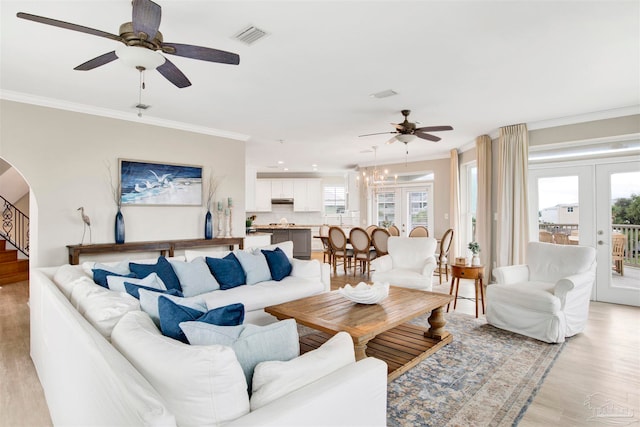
(195, 277)
(149, 303)
(116, 283)
(252, 343)
(255, 267)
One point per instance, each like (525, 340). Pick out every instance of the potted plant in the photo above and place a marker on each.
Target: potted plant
(249, 222)
(474, 247)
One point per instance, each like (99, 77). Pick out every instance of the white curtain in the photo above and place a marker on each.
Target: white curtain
(513, 214)
(454, 207)
(484, 216)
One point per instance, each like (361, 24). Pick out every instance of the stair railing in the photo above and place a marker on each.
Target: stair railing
(15, 226)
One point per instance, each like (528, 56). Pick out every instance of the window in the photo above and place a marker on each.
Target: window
(469, 201)
(570, 209)
(334, 199)
(386, 209)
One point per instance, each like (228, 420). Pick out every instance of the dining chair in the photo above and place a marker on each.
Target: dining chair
(326, 246)
(362, 252)
(394, 231)
(617, 256)
(561, 238)
(419, 231)
(545, 236)
(443, 265)
(379, 239)
(338, 242)
(370, 229)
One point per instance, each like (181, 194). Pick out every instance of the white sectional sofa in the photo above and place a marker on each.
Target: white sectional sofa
(88, 381)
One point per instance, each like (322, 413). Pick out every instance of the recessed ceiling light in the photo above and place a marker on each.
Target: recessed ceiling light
(281, 162)
(384, 94)
(285, 169)
(314, 165)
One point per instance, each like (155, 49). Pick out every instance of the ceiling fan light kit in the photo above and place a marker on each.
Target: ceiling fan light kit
(407, 131)
(135, 57)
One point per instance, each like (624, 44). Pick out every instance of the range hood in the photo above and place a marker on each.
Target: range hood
(282, 201)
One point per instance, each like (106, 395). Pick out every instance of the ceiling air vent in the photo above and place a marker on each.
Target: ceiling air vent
(250, 35)
(384, 94)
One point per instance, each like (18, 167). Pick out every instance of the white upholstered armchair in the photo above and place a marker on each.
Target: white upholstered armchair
(409, 263)
(547, 298)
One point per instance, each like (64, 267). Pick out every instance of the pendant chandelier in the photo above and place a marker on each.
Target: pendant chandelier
(375, 179)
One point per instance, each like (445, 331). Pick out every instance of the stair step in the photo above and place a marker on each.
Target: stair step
(8, 255)
(14, 271)
(3, 244)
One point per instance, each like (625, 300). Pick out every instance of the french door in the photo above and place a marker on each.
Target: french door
(405, 207)
(573, 204)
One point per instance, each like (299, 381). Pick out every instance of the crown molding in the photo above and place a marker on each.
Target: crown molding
(119, 115)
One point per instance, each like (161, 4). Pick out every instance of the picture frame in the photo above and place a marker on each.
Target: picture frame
(146, 183)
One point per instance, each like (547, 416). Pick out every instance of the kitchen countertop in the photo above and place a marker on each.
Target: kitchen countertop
(283, 227)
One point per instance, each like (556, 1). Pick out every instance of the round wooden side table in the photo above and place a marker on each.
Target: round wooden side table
(467, 272)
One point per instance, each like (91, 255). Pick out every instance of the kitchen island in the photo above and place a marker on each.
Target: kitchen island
(299, 235)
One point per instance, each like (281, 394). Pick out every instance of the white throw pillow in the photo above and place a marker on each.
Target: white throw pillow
(195, 277)
(149, 303)
(121, 267)
(274, 379)
(202, 385)
(286, 247)
(252, 343)
(307, 269)
(116, 283)
(102, 308)
(191, 254)
(255, 266)
(66, 276)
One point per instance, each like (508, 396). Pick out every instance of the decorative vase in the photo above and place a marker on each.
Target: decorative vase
(119, 227)
(208, 226)
(475, 260)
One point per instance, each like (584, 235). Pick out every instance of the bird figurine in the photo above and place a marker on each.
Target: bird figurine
(87, 223)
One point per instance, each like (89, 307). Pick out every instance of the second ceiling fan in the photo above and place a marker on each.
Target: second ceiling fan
(407, 131)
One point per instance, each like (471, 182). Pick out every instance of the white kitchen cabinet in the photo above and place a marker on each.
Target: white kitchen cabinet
(282, 188)
(307, 195)
(250, 189)
(263, 195)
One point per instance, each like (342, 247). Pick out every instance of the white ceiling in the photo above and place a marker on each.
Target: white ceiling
(474, 65)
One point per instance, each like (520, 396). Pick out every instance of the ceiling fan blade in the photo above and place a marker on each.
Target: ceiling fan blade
(427, 136)
(173, 74)
(201, 53)
(97, 61)
(68, 26)
(433, 128)
(392, 140)
(146, 18)
(399, 127)
(378, 133)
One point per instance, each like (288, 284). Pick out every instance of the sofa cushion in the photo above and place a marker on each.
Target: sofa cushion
(195, 277)
(102, 308)
(278, 262)
(227, 271)
(252, 343)
(191, 254)
(66, 275)
(549, 262)
(172, 314)
(149, 303)
(100, 276)
(116, 283)
(255, 266)
(309, 269)
(274, 379)
(162, 268)
(202, 385)
(267, 293)
(121, 267)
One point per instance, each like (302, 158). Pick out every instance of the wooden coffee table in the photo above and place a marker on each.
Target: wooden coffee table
(378, 330)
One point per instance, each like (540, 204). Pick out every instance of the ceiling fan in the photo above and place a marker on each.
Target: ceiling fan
(407, 131)
(142, 39)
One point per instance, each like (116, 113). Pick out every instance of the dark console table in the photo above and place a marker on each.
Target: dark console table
(165, 247)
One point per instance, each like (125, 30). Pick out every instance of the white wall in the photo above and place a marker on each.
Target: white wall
(62, 156)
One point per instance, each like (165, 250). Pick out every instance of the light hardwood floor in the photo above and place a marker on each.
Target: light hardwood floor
(600, 365)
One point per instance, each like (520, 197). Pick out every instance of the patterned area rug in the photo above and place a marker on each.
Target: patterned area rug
(485, 377)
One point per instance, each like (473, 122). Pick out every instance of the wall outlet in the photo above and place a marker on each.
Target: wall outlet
(446, 216)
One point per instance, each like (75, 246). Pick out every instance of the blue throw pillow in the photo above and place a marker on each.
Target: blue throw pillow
(227, 271)
(134, 290)
(162, 268)
(172, 314)
(100, 276)
(279, 264)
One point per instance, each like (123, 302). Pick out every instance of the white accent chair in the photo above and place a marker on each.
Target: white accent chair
(409, 264)
(547, 298)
